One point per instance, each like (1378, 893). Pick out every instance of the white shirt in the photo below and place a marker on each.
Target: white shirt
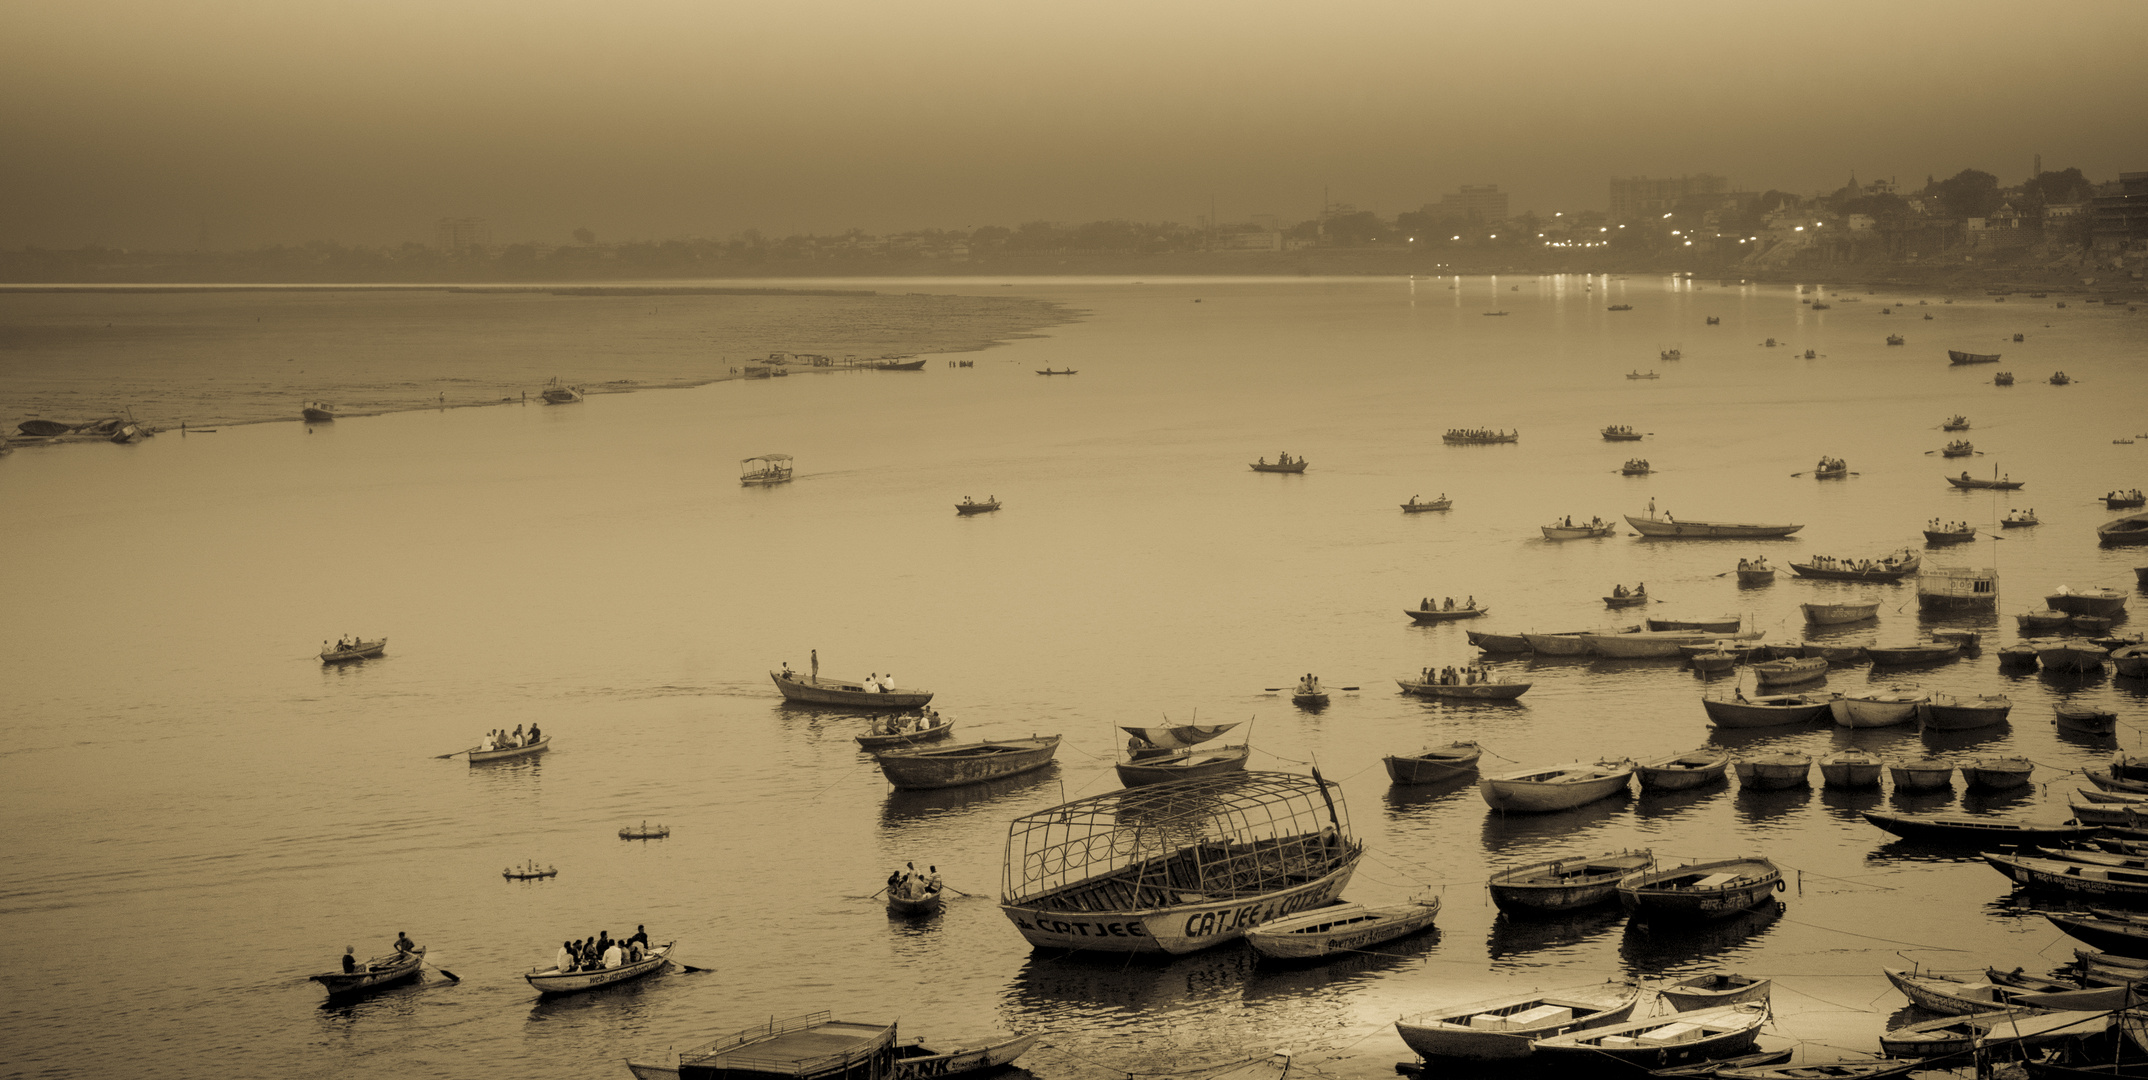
(611, 957)
(564, 960)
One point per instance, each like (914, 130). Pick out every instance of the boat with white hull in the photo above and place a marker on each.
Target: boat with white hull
(552, 980)
(1502, 1028)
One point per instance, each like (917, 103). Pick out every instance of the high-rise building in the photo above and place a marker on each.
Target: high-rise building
(1641, 197)
(1475, 202)
(462, 234)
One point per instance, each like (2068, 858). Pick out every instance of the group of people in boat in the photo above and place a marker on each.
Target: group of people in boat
(1466, 675)
(1759, 563)
(2122, 496)
(602, 951)
(1829, 562)
(1593, 523)
(1484, 434)
(1426, 604)
(1831, 464)
(1640, 589)
(1442, 498)
(2004, 477)
(1310, 684)
(2021, 515)
(908, 884)
(989, 500)
(927, 719)
(403, 948)
(503, 739)
(1636, 465)
(1936, 525)
(1619, 429)
(348, 642)
(1283, 459)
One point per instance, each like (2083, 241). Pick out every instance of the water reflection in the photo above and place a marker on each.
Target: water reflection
(1764, 807)
(906, 807)
(1848, 803)
(1505, 831)
(1133, 982)
(1278, 977)
(1939, 740)
(2131, 684)
(1979, 801)
(1665, 805)
(1403, 799)
(1656, 947)
(1513, 937)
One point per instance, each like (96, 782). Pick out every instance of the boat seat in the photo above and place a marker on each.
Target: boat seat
(1715, 881)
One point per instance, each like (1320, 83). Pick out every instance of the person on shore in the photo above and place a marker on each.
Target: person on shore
(350, 959)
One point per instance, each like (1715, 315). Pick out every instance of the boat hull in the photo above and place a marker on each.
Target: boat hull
(972, 763)
(1963, 714)
(1432, 769)
(1845, 772)
(1183, 765)
(2109, 603)
(1684, 772)
(1494, 691)
(1340, 928)
(1591, 1007)
(2128, 531)
(815, 691)
(1727, 1031)
(906, 738)
(364, 650)
(1497, 643)
(1518, 794)
(1576, 532)
(1769, 774)
(1565, 884)
(1736, 714)
(1657, 897)
(479, 757)
(1869, 712)
(1819, 573)
(1706, 530)
(1424, 615)
(1177, 930)
(340, 985)
(1839, 614)
(551, 981)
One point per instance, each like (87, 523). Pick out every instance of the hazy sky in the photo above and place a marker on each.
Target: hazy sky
(152, 122)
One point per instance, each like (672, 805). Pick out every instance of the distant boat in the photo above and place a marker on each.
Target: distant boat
(816, 1047)
(1958, 357)
(1958, 448)
(1838, 614)
(1831, 468)
(928, 768)
(43, 428)
(1634, 467)
(1429, 615)
(1415, 507)
(1049, 371)
(1637, 373)
(2126, 531)
(559, 393)
(1620, 307)
(1487, 691)
(2124, 500)
(1667, 526)
(1921, 652)
(1460, 436)
(968, 507)
(764, 470)
(899, 364)
(1957, 422)
(318, 411)
(357, 650)
(1700, 891)
(2019, 519)
(1287, 465)
(1637, 598)
(1894, 339)
(1788, 671)
(1621, 433)
(1946, 535)
(2059, 378)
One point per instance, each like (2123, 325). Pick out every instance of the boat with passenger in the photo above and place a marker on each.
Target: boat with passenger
(503, 747)
(1830, 468)
(1621, 433)
(895, 731)
(971, 506)
(1664, 525)
(353, 649)
(1891, 567)
(764, 470)
(2019, 519)
(1567, 529)
(553, 980)
(1634, 467)
(873, 692)
(378, 973)
(1415, 507)
(2002, 483)
(1938, 533)
(1428, 612)
(1755, 571)
(1284, 463)
(1480, 435)
(559, 393)
(2124, 500)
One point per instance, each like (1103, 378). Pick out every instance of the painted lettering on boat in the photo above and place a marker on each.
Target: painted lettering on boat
(1234, 920)
(1083, 929)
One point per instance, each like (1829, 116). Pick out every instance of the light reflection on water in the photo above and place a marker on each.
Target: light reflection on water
(182, 780)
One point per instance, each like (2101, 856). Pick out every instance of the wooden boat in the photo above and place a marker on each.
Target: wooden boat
(1503, 1028)
(1957, 422)
(2059, 378)
(1479, 435)
(1309, 697)
(1682, 771)
(833, 691)
(559, 393)
(2019, 519)
(1049, 371)
(1182, 765)
(1665, 526)
(1676, 1039)
(1714, 990)
(1847, 653)
(967, 507)
(1434, 763)
(810, 1047)
(2124, 500)
(1556, 531)
(1893, 567)
(936, 727)
(374, 974)
(2004, 378)
(1957, 588)
(2108, 931)
(529, 872)
(1432, 615)
(2104, 883)
(1949, 995)
(1767, 711)
(2131, 661)
(1544, 789)
(645, 832)
(2069, 654)
(1415, 507)
(1641, 374)
(478, 755)
(1651, 644)
(1621, 433)
(926, 902)
(899, 364)
(1699, 891)
(1638, 598)
(1483, 691)
(2086, 719)
(2035, 622)
(1635, 467)
(1958, 448)
(1295, 466)
(2093, 858)
(1850, 769)
(1775, 772)
(2090, 624)
(2109, 603)
(1966, 830)
(1940, 537)
(1839, 614)
(1879, 708)
(1952, 712)
(1921, 652)
(1175, 868)
(552, 981)
(1620, 307)
(2018, 656)
(1956, 356)
(1340, 928)
(1967, 481)
(363, 650)
(1566, 884)
(1497, 643)
(317, 412)
(765, 470)
(43, 429)
(1769, 1066)
(1715, 661)
(1742, 648)
(1785, 672)
(1923, 774)
(926, 768)
(1991, 1032)
(1997, 773)
(1755, 571)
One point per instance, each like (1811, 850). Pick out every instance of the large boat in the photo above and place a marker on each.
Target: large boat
(926, 768)
(1957, 588)
(1975, 831)
(2001, 484)
(1710, 890)
(479, 754)
(2000, 1033)
(1956, 356)
(1542, 789)
(811, 1047)
(1434, 764)
(318, 411)
(1663, 525)
(872, 694)
(1892, 567)
(1879, 708)
(559, 393)
(2128, 888)
(2124, 532)
(1483, 691)
(1183, 764)
(1670, 1040)
(374, 974)
(1176, 868)
(356, 650)
(2109, 603)
(1769, 711)
(1340, 928)
(552, 980)
(764, 470)
(1505, 1027)
(1840, 614)
(1567, 884)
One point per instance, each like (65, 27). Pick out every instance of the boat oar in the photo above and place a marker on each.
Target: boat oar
(452, 977)
(437, 757)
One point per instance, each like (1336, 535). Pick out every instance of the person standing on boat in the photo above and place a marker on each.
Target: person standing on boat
(816, 665)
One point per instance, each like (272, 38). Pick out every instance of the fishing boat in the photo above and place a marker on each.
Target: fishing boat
(1676, 1039)
(318, 411)
(1775, 772)
(2086, 719)
(1434, 763)
(1636, 598)
(1956, 422)
(1565, 529)
(1767, 711)
(1923, 774)
(1634, 467)
(1183, 764)
(810, 1047)
(872, 694)
(1958, 448)
(1956, 356)
(967, 506)
(2070, 654)
(1892, 567)
(478, 755)
(1698, 891)
(644, 832)
(551, 981)
(1433, 615)
(1483, 691)
(1957, 588)
(1340, 928)
(1831, 468)
(1175, 868)
(2109, 603)
(1955, 712)
(1880, 708)
(1851, 768)
(1544, 789)
(899, 732)
(1682, 771)
(374, 974)
(1840, 614)
(1786, 672)
(1663, 525)
(1967, 481)
(559, 393)
(529, 872)
(1497, 643)
(1724, 624)
(1755, 571)
(764, 470)
(357, 650)
(1714, 990)
(1503, 1028)
(1992, 1032)
(1621, 433)
(1566, 884)
(1973, 831)
(1415, 507)
(926, 768)
(1920, 652)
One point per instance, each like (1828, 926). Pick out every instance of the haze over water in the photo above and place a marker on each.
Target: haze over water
(200, 814)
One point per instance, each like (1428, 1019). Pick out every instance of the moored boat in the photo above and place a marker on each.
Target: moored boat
(1497, 643)
(1879, 708)
(559, 393)
(1681, 771)
(1775, 772)
(925, 768)
(2103, 883)
(811, 1047)
(1544, 789)
(318, 411)
(1998, 773)
(1725, 624)
(1957, 356)
(1954, 712)
(2070, 654)
(356, 650)
(2109, 603)
(1785, 672)
(1675, 1039)
(2087, 719)
(1974, 831)
(1434, 763)
(2131, 660)
(1175, 868)
(1182, 765)
(1920, 652)
(1649, 644)
(1850, 768)
(2017, 656)
(2036, 622)
(1502, 1028)
(1949, 995)
(1698, 891)
(552, 981)
(1957, 588)
(2119, 932)
(1994, 1032)
(1767, 711)
(876, 693)
(1714, 989)
(1340, 928)
(1840, 614)
(1922, 774)
(1566, 884)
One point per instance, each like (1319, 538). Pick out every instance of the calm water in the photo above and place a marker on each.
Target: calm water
(199, 814)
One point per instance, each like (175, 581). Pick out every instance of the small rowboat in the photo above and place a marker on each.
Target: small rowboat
(1956, 356)
(965, 763)
(1850, 769)
(1049, 371)
(1339, 928)
(551, 981)
(1710, 890)
(318, 411)
(1666, 526)
(2129, 530)
(1434, 763)
(2070, 655)
(1183, 765)
(1662, 1040)
(364, 650)
(813, 690)
(1967, 481)
(1775, 772)
(2017, 656)
(380, 971)
(480, 756)
(529, 872)
(1949, 536)
(1297, 466)
(1785, 672)
(1879, 708)
(1997, 773)
(1950, 995)
(1950, 712)
(1922, 652)
(938, 729)
(1688, 770)
(2086, 719)
(1767, 711)
(1838, 614)
(1969, 831)
(966, 507)
(1484, 691)
(924, 903)
(2037, 621)
(1727, 624)
(1502, 1028)
(559, 393)
(1997, 1032)
(1632, 599)
(1415, 507)
(1430, 615)
(43, 429)
(1922, 775)
(1714, 990)
(645, 832)
(1566, 884)
(1543, 789)
(1714, 662)
(1556, 531)
(2131, 660)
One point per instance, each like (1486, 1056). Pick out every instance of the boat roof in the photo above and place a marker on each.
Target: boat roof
(1229, 795)
(798, 1045)
(765, 457)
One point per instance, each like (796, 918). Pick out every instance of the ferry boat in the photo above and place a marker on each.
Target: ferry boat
(1665, 525)
(1957, 588)
(764, 470)
(1177, 868)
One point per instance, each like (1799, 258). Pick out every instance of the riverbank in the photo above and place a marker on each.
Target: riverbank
(208, 357)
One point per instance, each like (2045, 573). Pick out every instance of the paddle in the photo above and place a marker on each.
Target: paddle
(452, 977)
(437, 757)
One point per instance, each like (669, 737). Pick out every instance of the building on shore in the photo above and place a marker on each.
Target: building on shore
(1641, 197)
(462, 234)
(1474, 202)
(2120, 213)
